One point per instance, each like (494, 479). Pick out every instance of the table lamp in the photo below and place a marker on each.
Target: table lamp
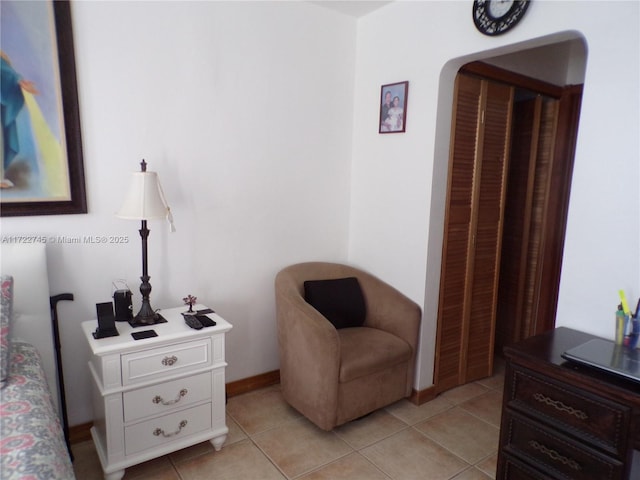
(145, 201)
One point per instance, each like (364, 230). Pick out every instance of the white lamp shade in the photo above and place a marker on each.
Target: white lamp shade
(144, 200)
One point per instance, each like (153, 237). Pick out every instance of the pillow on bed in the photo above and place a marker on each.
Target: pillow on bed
(6, 314)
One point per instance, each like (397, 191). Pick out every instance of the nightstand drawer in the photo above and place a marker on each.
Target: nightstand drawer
(589, 417)
(148, 365)
(168, 428)
(155, 399)
(555, 453)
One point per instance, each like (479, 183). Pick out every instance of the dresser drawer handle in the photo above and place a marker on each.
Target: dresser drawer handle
(555, 456)
(168, 361)
(558, 405)
(159, 399)
(158, 431)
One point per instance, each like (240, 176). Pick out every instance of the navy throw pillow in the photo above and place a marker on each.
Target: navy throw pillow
(339, 300)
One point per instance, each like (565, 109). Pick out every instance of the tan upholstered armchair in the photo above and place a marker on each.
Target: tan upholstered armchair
(334, 375)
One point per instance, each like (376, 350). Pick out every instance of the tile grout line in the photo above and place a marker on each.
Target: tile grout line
(269, 459)
(406, 425)
(447, 449)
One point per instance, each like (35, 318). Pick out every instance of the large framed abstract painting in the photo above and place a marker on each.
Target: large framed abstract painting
(42, 165)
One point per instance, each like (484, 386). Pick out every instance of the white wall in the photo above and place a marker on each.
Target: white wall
(245, 110)
(251, 114)
(399, 181)
(558, 63)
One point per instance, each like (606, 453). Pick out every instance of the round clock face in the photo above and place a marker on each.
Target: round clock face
(493, 17)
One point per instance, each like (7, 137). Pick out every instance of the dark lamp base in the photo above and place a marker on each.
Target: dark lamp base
(157, 319)
(146, 315)
(144, 320)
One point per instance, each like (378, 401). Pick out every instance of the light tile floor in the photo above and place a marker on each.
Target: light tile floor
(453, 437)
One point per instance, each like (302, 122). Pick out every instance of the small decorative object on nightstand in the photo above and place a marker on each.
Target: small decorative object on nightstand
(190, 300)
(159, 394)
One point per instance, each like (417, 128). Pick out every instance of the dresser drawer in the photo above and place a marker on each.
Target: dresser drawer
(162, 397)
(591, 418)
(512, 469)
(148, 365)
(555, 453)
(168, 428)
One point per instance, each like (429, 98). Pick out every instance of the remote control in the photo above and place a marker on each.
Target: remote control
(144, 334)
(206, 321)
(193, 322)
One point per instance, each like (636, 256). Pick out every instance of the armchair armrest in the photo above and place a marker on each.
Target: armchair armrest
(390, 310)
(311, 356)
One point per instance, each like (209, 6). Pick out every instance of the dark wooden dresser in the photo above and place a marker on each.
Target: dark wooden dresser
(564, 421)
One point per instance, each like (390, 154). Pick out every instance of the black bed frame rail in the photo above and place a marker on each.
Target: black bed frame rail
(53, 301)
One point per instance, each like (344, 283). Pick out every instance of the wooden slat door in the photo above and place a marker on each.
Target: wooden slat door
(540, 206)
(473, 228)
(466, 119)
(489, 212)
(526, 213)
(515, 238)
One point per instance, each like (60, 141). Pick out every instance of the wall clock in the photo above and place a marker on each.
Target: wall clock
(493, 17)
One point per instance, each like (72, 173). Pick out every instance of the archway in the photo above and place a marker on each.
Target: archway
(561, 55)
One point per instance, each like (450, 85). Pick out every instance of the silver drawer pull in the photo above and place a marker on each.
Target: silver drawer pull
(159, 399)
(555, 456)
(558, 405)
(168, 361)
(158, 431)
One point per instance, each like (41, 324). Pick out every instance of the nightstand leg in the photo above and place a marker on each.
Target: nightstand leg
(218, 442)
(114, 475)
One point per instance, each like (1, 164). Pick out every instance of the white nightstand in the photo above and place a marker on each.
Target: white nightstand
(157, 395)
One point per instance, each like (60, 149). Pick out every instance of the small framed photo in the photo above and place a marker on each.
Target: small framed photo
(393, 107)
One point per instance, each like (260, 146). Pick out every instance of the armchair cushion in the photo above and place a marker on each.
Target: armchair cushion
(365, 351)
(339, 300)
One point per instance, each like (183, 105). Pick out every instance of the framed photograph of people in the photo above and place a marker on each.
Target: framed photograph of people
(42, 170)
(393, 107)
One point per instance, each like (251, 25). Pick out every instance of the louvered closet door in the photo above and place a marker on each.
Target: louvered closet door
(527, 205)
(539, 208)
(515, 237)
(464, 344)
(457, 232)
(488, 213)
